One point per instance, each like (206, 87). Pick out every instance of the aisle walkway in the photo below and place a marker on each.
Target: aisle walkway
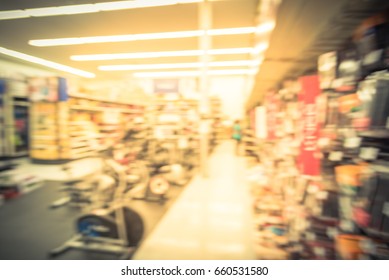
(210, 220)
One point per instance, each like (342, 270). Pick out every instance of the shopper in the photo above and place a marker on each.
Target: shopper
(237, 135)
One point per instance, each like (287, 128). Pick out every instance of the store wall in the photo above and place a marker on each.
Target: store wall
(233, 91)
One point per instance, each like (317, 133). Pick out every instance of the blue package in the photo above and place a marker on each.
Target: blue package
(62, 89)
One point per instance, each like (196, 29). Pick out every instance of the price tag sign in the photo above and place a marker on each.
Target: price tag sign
(385, 209)
(335, 156)
(323, 142)
(369, 153)
(158, 133)
(182, 143)
(323, 195)
(311, 236)
(332, 232)
(367, 246)
(352, 142)
(337, 83)
(319, 251)
(312, 188)
(347, 225)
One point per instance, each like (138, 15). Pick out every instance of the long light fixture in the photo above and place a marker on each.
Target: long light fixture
(170, 74)
(142, 37)
(132, 67)
(46, 63)
(114, 56)
(176, 65)
(89, 8)
(265, 27)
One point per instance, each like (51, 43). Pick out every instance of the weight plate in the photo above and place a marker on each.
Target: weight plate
(105, 226)
(158, 185)
(134, 226)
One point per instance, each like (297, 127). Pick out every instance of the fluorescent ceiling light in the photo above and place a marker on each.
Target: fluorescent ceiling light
(140, 37)
(112, 39)
(265, 27)
(89, 8)
(259, 48)
(230, 51)
(148, 67)
(193, 73)
(13, 14)
(232, 31)
(113, 56)
(46, 63)
(134, 4)
(132, 67)
(65, 10)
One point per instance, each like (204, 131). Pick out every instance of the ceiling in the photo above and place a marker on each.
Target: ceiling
(304, 30)
(15, 33)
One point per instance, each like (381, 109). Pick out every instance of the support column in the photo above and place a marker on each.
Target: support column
(205, 44)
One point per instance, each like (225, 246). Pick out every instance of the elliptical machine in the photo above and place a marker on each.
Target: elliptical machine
(145, 178)
(116, 229)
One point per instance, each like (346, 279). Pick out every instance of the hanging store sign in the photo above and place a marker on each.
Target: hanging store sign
(166, 86)
(309, 162)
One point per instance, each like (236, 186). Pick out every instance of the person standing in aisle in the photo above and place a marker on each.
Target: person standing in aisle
(237, 135)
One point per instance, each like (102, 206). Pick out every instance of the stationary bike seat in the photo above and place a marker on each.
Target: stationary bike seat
(73, 182)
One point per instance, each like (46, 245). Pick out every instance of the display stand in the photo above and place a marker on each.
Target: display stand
(320, 191)
(14, 117)
(68, 126)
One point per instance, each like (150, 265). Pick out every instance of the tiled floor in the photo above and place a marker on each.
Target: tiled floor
(211, 219)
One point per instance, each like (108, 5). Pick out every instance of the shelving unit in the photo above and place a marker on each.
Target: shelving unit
(174, 117)
(320, 191)
(14, 115)
(176, 122)
(77, 126)
(218, 131)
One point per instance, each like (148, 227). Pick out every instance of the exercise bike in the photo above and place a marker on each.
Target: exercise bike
(183, 169)
(145, 180)
(145, 173)
(116, 229)
(81, 192)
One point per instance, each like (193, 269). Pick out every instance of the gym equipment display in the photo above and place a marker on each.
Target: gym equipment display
(115, 229)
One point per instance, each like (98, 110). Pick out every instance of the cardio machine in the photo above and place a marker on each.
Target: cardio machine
(116, 229)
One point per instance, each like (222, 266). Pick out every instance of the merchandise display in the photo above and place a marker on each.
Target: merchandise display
(14, 117)
(14, 183)
(144, 152)
(251, 144)
(219, 131)
(320, 191)
(68, 126)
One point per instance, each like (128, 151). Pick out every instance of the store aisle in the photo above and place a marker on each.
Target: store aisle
(212, 217)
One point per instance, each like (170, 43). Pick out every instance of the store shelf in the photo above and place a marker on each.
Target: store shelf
(49, 137)
(93, 98)
(86, 108)
(78, 123)
(103, 109)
